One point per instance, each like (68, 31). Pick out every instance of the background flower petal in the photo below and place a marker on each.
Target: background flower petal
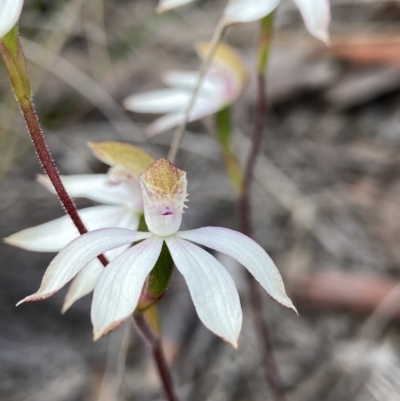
(187, 80)
(158, 101)
(213, 290)
(83, 284)
(10, 10)
(165, 5)
(56, 234)
(85, 281)
(247, 252)
(120, 284)
(202, 107)
(96, 187)
(316, 16)
(249, 10)
(78, 254)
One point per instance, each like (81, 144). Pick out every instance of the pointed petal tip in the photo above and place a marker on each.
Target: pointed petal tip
(35, 297)
(65, 307)
(97, 333)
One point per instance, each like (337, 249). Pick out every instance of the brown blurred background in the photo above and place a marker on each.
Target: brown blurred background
(326, 201)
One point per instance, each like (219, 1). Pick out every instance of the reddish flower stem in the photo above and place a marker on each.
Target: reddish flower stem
(13, 55)
(269, 363)
(154, 343)
(49, 166)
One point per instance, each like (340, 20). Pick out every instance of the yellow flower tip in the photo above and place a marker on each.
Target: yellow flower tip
(164, 179)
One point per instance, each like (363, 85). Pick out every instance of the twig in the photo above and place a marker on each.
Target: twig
(154, 343)
(269, 363)
(215, 40)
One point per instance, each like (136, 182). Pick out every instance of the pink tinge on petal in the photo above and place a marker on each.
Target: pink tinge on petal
(120, 284)
(78, 254)
(164, 190)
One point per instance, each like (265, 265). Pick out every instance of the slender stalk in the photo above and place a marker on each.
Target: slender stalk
(255, 297)
(14, 58)
(13, 55)
(154, 343)
(215, 40)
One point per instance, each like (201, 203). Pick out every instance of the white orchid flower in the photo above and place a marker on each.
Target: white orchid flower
(315, 13)
(221, 86)
(122, 205)
(120, 284)
(10, 10)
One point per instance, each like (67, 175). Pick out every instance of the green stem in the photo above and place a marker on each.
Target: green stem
(224, 134)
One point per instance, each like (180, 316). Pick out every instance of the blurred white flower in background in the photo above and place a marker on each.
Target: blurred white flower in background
(315, 13)
(10, 10)
(221, 86)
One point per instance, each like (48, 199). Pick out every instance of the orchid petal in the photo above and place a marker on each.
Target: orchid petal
(78, 254)
(158, 101)
(165, 5)
(56, 234)
(83, 284)
(316, 16)
(120, 284)
(247, 252)
(201, 109)
(10, 10)
(243, 11)
(187, 80)
(213, 290)
(85, 281)
(96, 187)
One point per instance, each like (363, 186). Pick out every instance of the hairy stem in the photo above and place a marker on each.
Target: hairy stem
(154, 343)
(13, 55)
(255, 296)
(50, 168)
